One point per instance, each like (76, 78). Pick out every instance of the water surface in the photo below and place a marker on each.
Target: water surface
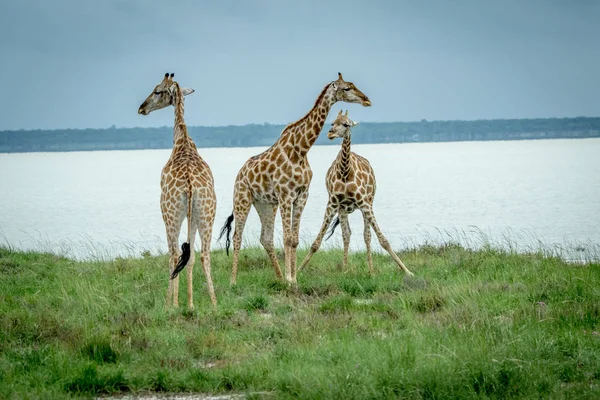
(106, 203)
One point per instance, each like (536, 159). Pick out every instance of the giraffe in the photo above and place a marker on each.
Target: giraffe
(187, 190)
(351, 185)
(279, 178)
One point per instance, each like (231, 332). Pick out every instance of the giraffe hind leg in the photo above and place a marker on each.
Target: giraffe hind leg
(266, 213)
(368, 214)
(240, 214)
(190, 262)
(367, 237)
(173, 217)
(329, 214)
(346, 237)
(206, 221)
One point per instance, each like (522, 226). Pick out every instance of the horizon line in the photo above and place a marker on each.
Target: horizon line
(423, 120)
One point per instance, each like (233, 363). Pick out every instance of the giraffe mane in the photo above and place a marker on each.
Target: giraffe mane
(321, 95)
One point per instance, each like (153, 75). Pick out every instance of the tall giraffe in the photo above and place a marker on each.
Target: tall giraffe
(351, 185)
(280, 176)
(187, 190)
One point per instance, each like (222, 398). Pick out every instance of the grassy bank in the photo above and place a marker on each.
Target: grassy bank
(470, 324)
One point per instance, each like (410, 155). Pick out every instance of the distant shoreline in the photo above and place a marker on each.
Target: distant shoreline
(257, 135)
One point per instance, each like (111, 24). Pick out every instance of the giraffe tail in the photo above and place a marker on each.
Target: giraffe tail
(183, 260)
(226, 230)
(185, 247)
(332, 227)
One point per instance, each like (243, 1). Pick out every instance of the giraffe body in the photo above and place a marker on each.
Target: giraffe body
(187, 191)
(279, 178)
(351, 186)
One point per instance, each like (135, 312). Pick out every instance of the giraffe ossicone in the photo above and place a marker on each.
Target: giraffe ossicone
(351, 185)
(187, 191)
(280, 177)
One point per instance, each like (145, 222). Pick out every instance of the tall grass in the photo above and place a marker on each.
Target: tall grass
(487, 323)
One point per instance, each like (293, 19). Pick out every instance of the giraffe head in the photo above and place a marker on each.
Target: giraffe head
(340, 128)
(347, 92)
(162, 95)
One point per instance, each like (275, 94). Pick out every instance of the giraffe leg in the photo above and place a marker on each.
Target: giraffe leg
(172, 298)
(285, 208)
(367, 235)
(190, 264)
(329, 214)
(299, 205)
(173, 218)
(240, 213)
(206, 224)
(368, 214)
(346, 236)
(267, 213)
(193, 227)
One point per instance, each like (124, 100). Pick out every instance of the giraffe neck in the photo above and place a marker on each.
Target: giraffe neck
(345, 157)
(180, 135)
(299, 137)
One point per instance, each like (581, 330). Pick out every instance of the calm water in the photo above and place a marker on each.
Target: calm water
(528, 193)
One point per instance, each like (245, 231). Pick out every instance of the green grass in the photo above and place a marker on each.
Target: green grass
(470, 324)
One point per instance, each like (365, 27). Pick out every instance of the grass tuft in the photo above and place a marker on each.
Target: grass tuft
(100, 351)
(259, 302)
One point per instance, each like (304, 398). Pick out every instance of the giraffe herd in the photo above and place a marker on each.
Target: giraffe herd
(278, 178)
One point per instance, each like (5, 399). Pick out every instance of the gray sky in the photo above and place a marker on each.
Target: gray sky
(90, 63)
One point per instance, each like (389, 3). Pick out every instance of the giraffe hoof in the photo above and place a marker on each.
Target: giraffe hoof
(292, 285)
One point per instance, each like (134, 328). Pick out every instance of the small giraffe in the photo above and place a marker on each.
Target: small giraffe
(351, 185)
(280, 177)
(187, 190)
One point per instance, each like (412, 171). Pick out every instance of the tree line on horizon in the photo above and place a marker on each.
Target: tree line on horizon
(265, 134)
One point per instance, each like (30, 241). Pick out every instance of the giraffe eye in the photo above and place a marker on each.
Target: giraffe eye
(157, 93)
(346, 89)
(347, 125)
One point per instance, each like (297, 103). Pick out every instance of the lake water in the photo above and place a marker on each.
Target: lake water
(524, 194)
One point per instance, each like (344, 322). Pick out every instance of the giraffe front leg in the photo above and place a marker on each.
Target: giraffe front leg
(298, 208)
(367, 236)
(346, 237)
(285, 208)
(368, 213)
(329, 214)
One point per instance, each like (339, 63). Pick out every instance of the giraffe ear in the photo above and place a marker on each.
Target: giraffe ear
(187, 91)
(354, 123)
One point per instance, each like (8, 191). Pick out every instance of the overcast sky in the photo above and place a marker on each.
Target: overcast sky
(91, 63)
